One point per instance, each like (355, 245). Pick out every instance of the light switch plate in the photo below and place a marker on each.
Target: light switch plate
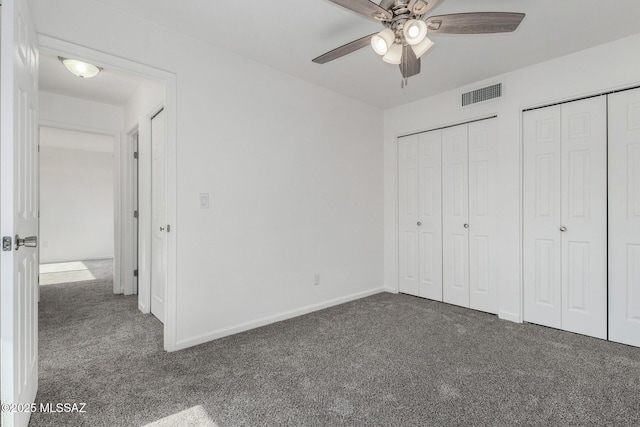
(204, 200)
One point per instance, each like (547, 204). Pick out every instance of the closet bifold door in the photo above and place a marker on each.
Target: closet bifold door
(542, 131)
(420, 215)
(455, 215)
(624, 217)
(408, 156)
(564, 216)
(483, 258)
(584, 217)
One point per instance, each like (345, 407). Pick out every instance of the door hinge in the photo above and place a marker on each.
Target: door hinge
(135, 155)
(135, 214)
(135, 273)
(7, 244)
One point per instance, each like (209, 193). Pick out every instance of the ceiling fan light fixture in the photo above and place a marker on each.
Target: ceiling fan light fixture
(422, 47)
(381, 42)
(79, 68)
(394, 56)
(414, 31)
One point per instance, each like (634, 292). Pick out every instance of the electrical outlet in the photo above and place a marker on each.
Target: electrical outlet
(316, 279)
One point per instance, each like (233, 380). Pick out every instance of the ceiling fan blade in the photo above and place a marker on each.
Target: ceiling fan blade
(474, 23)
(344, 50)
(410, 65)
(365, 8)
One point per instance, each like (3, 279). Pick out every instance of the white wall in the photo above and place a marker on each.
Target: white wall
(76, 195)
(606, 67)
(148, 96)
(293, 172)
(76, 112)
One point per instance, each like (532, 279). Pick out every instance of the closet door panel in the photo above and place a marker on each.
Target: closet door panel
(430, 215)
(584, 215)
(455, 215)
(542, 133)
(483, 266)
(624, 217)
(408, 217)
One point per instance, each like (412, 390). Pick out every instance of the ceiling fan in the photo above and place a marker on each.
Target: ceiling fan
(404, 39)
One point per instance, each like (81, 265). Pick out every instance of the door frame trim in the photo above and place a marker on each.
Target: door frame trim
(64, 48)
(127, 221)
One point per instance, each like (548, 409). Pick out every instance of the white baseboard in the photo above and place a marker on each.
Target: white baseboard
(390, 290)
(201, 339)
(512, 317)
(143, 308)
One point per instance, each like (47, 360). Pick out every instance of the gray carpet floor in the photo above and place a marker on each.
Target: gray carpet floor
(387, 360)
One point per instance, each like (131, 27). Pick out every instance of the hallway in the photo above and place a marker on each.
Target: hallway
(94, 347)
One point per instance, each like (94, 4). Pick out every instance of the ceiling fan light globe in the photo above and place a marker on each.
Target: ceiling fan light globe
(382, 41)
(379, 45)
(394, 56)
(414, 31)
(422, 47)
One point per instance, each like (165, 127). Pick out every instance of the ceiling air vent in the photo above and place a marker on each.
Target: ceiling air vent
(481, 95)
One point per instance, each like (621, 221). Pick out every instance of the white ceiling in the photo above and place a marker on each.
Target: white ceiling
(287, 34)
(108, 87)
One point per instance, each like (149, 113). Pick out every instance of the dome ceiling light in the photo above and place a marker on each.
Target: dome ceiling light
(79, 68)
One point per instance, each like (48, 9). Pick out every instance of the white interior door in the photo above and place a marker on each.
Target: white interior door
(408, 183)
(542, 136)
(483, 216)
(159, 214)
(430, 215)
(19, 210)
(584, 217)
(624, 217)
(455, 216)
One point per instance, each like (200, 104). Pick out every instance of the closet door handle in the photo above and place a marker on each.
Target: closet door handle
(563, 228)
(419, 223)
(466, 226)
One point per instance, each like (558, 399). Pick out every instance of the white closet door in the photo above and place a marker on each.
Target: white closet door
(624, 217)
(483, 266)
(584, 215)
(542, 216)
(159, 214)
(408, 182)
(430, 215)
(455, 216)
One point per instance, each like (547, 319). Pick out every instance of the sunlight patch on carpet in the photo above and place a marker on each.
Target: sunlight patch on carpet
(64, 272)
(195, 416)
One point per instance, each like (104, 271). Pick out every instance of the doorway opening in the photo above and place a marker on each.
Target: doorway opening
(120, 103)
(76, 206)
